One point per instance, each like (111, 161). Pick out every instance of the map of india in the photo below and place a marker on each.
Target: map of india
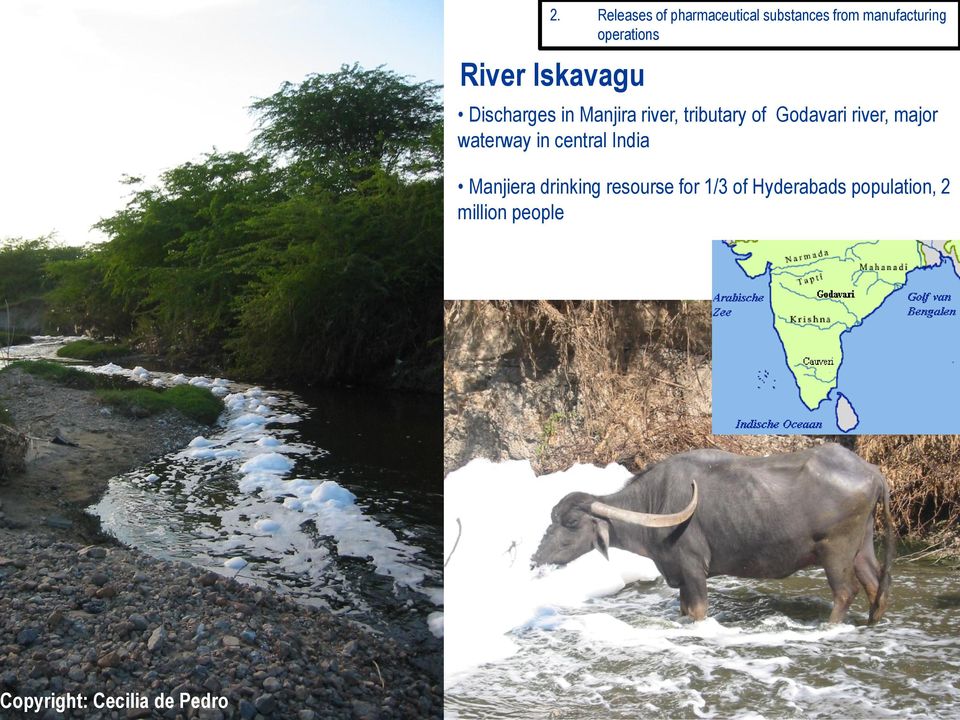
(835, 336)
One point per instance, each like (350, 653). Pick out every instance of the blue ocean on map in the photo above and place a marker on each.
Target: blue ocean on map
(900, 373)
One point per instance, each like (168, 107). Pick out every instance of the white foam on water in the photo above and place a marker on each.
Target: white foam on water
(245, 445)
(600, 628)
(495, 599)
(273, 519)
(503, 510)
(267, 525)
(42, 347)
(108, 369)
(268, 463)
(248, 420)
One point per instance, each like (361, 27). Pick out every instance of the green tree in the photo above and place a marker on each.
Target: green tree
(169, 258)
(80, 300)
(23, 263)
(354, 285)
(316, 257)
(334, 128)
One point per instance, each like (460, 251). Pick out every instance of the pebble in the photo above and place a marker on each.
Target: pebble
(152, 628)
(111, 659)
(27, 636)
(247, 710)
(156, 639)
(265, 704)
(363, 710)
(137, 620)
(349, 648)
(92, 551)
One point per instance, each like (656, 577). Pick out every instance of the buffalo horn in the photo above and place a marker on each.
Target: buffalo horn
(646, 519)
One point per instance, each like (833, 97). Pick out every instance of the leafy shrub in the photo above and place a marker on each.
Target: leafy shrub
(92, 350)
(198, 404)
(15, 339)
(56, 372)
(68, 376)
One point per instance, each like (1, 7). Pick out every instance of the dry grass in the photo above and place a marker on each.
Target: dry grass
(641, 377)
(632, 368)
(637, 373)
(923, 475)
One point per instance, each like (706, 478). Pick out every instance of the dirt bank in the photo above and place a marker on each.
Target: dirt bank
(74, 445)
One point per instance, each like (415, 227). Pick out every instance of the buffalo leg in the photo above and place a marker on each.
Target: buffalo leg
(868, 573)
(867, 568)
(693, 597)
(844, 585)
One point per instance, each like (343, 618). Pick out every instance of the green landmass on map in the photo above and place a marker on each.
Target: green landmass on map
(821, 289)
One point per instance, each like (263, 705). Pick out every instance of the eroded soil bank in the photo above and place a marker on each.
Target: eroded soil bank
(74, 446)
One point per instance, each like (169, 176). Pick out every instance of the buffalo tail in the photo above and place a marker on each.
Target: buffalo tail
(889, 553)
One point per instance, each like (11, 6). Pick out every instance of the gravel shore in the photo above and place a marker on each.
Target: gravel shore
(77, 621)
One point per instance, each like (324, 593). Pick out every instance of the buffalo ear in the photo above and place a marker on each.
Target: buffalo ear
(601, 536)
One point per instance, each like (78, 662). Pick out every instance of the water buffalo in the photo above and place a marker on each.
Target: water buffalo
(708, 512)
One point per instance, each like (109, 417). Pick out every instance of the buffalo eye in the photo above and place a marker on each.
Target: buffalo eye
(572, 519)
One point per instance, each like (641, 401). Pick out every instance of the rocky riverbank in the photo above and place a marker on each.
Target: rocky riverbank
(88, 623)
(97, 623)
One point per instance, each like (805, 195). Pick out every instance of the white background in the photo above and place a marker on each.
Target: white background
(659, 248)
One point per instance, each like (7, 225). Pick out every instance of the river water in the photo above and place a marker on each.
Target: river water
(603, 638)
(329, 496)
(764, 652)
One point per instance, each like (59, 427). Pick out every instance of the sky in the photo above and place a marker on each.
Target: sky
(93, 90)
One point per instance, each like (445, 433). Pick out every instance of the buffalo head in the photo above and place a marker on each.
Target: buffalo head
(581, 522)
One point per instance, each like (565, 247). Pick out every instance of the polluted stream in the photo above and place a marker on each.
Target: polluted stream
(605, 639)
(324, 496)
